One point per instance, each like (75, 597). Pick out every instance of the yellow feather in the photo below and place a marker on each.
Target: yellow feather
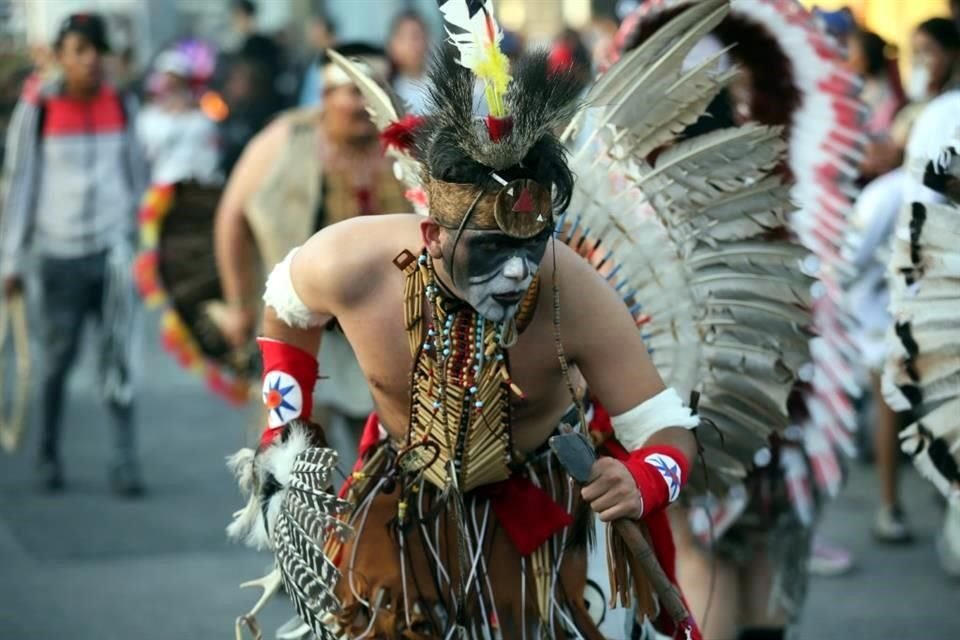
(494, 70)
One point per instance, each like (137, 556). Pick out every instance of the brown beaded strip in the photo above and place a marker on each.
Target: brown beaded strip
(460, 383)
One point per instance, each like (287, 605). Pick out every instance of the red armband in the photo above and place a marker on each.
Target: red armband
(660, 472)
(289, 375)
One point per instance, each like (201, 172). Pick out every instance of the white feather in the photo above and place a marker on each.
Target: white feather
(469, 35)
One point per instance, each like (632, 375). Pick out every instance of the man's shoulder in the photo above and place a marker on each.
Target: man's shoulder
(281, 130)
(561, 261)
(355, 255)
(365, 242)
(298, 117)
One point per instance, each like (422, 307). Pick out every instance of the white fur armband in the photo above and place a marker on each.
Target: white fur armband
(283, 299)
(663, 410)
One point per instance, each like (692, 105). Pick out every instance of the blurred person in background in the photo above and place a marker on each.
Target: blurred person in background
(321, 34)
(567, 51)
(407, 49)
(748, 561)
(603, 41)
(838, 24)
(936, 60)
(257, 84)
(882, 92)
(936, 57)
(15, 70)
(310, 168)
(250, 104)
(512, 45)
(934, 127)
(122, 70)
(935, 48)
(76, 175)
(179, 140)
(254, 46)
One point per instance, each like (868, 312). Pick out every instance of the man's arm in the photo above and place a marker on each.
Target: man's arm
(22, 178)
(232, 238)
(605, 344)
(303, 293)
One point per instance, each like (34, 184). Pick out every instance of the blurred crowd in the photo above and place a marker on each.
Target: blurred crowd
(192, 114)
(235, 92)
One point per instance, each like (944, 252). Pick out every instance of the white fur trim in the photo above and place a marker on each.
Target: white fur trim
(251, 470)
(663, 410)
(282, 297)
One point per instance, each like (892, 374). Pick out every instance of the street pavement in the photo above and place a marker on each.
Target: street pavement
(87, 566)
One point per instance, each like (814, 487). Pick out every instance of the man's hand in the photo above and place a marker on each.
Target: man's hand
(236, 322)
(612, 491)
(12, 285)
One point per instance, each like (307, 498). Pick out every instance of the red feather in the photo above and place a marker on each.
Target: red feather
(400, 134)
(490, 29)
(499, 128)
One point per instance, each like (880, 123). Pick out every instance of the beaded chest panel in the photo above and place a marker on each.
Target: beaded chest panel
(460, 384)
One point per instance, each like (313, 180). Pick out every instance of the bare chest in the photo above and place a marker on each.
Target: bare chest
(379, 339)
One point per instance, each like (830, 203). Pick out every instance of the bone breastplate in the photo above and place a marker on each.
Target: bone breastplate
(459, 430)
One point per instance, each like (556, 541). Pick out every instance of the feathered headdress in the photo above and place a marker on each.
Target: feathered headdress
(498, 168)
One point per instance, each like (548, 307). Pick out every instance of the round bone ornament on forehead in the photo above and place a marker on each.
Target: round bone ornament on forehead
(523, 209)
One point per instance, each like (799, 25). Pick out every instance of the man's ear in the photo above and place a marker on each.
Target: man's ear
(431, 233)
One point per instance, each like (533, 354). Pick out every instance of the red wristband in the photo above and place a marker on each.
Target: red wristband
(660, 472)
(289, 376)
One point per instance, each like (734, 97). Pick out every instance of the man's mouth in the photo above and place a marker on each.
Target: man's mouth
(508, 299)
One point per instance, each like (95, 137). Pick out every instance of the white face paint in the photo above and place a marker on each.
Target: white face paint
(496, 296)
(494, 271)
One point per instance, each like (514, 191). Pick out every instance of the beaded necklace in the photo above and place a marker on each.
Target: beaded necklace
(460, 383)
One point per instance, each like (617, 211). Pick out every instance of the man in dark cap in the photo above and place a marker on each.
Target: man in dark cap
(76, 176)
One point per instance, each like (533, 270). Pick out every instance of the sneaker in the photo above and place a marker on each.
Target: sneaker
(125, 480)
(49, 476)
(828, 560)
(890, 526)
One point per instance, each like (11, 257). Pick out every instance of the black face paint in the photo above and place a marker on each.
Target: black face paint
(488, 251)
(493, 271)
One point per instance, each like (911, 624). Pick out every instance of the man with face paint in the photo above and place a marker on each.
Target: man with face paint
(478, 335)
(494, 271)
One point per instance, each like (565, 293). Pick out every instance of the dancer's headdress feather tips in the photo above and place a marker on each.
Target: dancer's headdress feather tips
(475, 33)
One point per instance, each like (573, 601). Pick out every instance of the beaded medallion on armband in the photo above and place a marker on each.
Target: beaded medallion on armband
(460, 383)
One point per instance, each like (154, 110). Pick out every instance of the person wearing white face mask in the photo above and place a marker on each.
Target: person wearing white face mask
(939, 122)
(936, 59)
(936, 64)
(935, 48)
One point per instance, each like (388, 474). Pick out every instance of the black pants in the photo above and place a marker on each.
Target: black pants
(73, 292)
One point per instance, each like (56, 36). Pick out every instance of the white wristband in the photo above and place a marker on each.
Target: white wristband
(283, 299)
(663, 410)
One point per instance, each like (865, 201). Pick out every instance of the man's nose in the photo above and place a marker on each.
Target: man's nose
(515, 268)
